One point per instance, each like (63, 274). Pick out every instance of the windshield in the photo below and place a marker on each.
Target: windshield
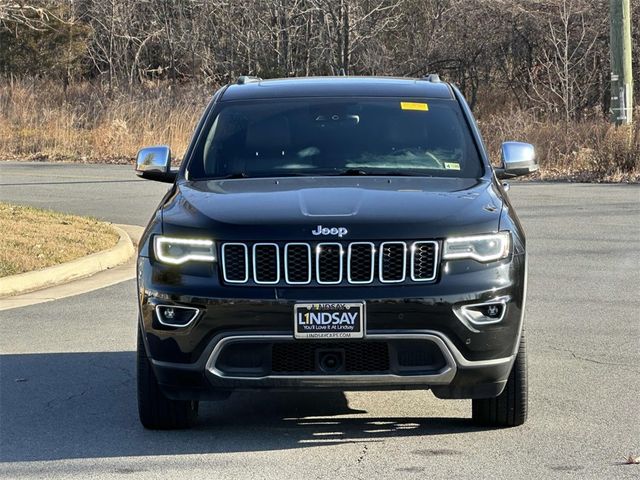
(383, 136)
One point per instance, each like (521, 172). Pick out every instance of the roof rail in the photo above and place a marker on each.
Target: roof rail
(432, 77)
(243, 79)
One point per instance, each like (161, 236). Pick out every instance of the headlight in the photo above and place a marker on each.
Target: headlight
(483, 248)
(176, 251)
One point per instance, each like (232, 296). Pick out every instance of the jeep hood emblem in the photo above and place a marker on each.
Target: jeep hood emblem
(339, 231)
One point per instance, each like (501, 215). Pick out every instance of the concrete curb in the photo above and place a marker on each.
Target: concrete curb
(66, 272)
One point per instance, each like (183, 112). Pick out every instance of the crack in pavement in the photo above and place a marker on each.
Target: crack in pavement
(112, 368)
(363, 453)
(592, 360)
(70, 397)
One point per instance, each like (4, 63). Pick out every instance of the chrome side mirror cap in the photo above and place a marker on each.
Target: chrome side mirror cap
(517, 159)
(154, 163)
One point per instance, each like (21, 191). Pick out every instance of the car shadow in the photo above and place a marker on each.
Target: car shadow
(83, 405)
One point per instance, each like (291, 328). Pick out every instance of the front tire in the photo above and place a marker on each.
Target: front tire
(156, 411)
(509, 409)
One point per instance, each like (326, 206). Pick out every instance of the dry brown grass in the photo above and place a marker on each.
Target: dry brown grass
(38, 120)
(590, 150)
(33, 239)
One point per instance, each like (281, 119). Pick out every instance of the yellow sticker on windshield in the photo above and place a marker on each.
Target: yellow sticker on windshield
(423, 107)
(451, 166)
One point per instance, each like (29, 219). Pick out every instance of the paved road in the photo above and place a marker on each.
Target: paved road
(68, 408)
(111, 193)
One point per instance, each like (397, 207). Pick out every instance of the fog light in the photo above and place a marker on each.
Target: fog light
(479, 314)
(492, 311)
(176, 316)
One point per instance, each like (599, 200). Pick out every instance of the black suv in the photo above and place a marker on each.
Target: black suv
(333, 233)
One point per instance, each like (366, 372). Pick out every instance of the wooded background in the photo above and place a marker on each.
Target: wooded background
(533, 62)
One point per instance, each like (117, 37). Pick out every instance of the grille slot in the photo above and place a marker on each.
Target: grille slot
(297, 259)
(266, 263)
(235, 262)
(423, 261)
(361, 262)
(329, 263)
(393, 262)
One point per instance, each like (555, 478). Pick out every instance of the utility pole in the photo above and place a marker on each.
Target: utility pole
(621, 74)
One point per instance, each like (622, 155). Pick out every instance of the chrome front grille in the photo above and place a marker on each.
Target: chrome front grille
(329, 263)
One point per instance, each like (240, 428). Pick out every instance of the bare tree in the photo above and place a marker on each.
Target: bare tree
(564, 71)
(550, 56)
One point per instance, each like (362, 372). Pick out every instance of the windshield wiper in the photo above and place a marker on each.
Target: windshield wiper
(353, 172)
(235, 175)
(231, 176)
(400, 173)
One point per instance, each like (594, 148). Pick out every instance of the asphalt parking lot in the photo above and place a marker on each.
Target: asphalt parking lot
(67, 391)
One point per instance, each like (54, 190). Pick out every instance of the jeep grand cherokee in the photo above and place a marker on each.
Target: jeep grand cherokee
(333, 233)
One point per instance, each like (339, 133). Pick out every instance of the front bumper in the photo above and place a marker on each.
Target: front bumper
(477, 359)
(458, 378)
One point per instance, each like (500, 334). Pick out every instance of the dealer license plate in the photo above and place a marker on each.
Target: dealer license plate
(329, 320)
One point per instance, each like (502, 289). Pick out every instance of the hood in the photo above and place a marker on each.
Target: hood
(371, 208)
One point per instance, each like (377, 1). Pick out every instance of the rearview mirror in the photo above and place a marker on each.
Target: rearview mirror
(517, 159)
(154, 163)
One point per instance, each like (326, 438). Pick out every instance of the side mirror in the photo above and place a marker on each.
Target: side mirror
(517, 159)
(154, 163)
